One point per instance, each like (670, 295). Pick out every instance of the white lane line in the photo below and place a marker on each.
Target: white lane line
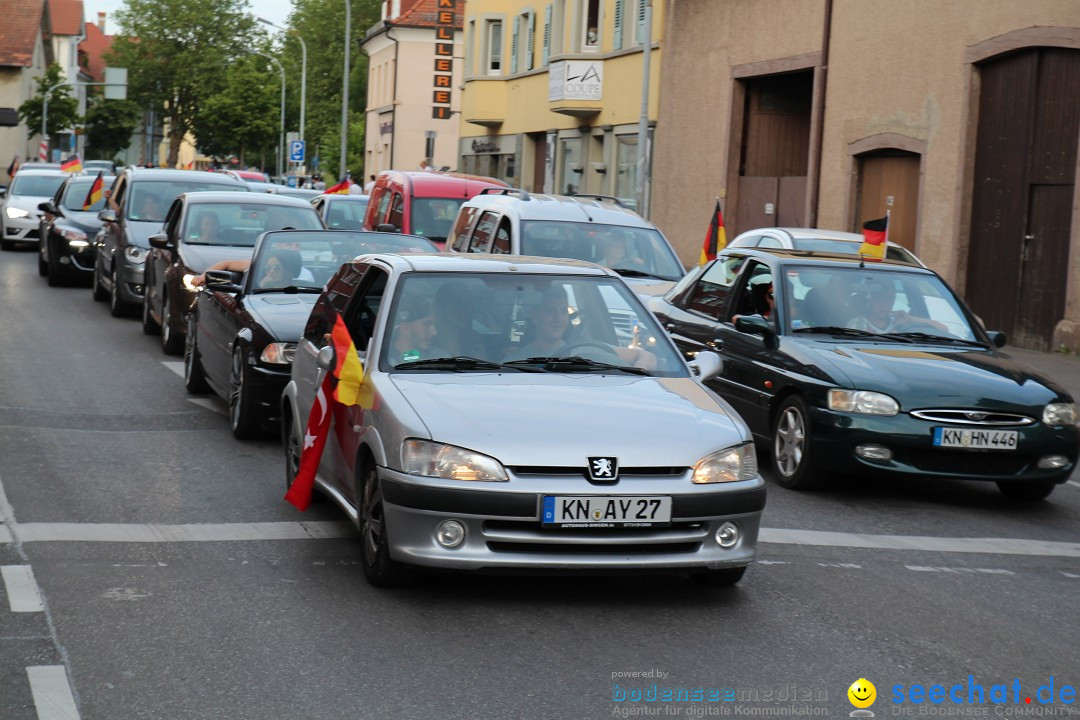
(101, 532)
(1073, 483)
(22, 588)
(52, 693)
(177, 366)
(213, 404)
(961, 570)
(5, 534)
(1069, 574)
(990, 546)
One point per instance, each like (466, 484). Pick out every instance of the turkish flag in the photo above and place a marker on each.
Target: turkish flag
(315, 434)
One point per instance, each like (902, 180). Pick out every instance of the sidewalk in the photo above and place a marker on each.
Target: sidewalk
(1065, 369)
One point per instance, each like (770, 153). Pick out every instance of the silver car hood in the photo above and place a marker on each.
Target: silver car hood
(562, 419)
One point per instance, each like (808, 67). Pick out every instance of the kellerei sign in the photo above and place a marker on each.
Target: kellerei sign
(445, 12)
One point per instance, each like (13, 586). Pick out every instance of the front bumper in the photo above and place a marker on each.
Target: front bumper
(131, 276)
(266, 386)
(76, 261)
(21, 229)
(503, 528)
(834, 437)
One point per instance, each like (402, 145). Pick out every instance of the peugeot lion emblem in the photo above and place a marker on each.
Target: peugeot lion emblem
(603, 468)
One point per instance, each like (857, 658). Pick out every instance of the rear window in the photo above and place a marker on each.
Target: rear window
(614, 246)
(150, 199)
(433, 217)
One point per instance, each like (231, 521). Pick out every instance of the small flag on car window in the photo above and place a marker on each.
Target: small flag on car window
(95, 193)
(875, 235)
(715, 238)
(14, 166)
(342, 188)
(72, 165)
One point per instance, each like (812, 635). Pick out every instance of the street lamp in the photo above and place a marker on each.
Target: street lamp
(345, 91)
(281, 141)
(303, 76)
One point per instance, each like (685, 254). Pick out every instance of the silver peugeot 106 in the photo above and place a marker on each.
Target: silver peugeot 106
(522, 413)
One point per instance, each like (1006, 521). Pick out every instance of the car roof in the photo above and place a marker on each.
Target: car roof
(816, 257)
(45, 172)
(431, 183)
(444, 262)
(345, 197)
(202, 197)
(565, 208)
(173, 174)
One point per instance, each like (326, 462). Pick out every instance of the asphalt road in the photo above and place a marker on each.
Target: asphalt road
(173, 582)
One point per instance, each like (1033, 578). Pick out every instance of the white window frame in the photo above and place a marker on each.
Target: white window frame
(584, 18)
(493, 29)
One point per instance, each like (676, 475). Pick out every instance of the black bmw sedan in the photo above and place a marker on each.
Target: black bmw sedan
(243, 329)
(840, 366)
(69, 224)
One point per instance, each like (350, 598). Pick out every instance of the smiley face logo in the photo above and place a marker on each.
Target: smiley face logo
(862, 693)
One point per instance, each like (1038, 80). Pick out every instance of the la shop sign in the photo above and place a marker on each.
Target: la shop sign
(576, 80)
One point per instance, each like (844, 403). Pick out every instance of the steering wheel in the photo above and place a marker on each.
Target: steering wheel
(604, 349)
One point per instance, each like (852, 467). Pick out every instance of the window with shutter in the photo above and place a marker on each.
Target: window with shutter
(514, 46)
(640, 38)
(546, 50)
(530, 32)
(618, 24)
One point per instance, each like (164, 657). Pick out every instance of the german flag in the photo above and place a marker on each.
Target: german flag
(95, 193)
(342, 188)
(72, 165)
(14, 166)
(345, 385)
(715, 238)
(875, 235)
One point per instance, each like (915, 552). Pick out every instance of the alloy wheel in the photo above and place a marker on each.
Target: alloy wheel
(790, 442)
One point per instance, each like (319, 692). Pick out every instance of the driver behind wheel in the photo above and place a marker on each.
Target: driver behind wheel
(879, 316)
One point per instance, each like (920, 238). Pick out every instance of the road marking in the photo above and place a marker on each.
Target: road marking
(214, 404)
(990, 546)
(1073, 483)
(1069, 574)
(849, 566)
(222, 532)
(969, 571)
(22, 589)
(52, 693)
(5, 534)
(177, 366)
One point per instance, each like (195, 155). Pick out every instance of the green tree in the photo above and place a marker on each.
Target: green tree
(242, 118)
(63, 109)
(109, 125)
(177, 52)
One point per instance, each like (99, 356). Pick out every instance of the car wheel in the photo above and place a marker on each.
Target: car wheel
(379, 569)
(791, 453)
(55, 275)
(292, 440)
(1034, 490)
(42, 265)
(241, 413)
(117, 307)
(149, 326)
(171, 342)
(99, 293)
(6, 244)
(718, 578)
(194, 377)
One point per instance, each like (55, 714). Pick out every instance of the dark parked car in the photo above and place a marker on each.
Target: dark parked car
(243, 330)
(140, 198)
(67, 230)
(875, 368)
(203, 228)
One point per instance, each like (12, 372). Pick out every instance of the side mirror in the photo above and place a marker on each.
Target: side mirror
(159, 241)
(48, 208)
(108, 215)
(752, 324)
(325, 358)
(223, 281)
(707, 365)
(387, 227)
(997, 338)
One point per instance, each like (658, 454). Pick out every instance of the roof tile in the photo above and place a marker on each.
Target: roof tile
(66, 16)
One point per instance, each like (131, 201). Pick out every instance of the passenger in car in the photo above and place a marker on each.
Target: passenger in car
(548, 322)
(880, 317)
(453, 322)
(614, 250)
(207, 229)
(414, 331)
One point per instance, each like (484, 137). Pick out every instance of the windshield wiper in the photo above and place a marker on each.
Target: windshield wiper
(576, 363)
(851, 332)
(634, 272)
(288, 289)
(940, 338)
(460, 363)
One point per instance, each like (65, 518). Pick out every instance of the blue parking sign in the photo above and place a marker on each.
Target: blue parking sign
(296, 151)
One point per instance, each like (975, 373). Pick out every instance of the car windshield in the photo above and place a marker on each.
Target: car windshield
(538, 323)
(345, 214)
(873, 300)
(36, 185)
(631, 250)
(433, 217)
(150, 199)
(76, 194)
(850, 247)
(241, 223)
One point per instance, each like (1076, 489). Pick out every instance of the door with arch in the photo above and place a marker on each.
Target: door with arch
(889, 182)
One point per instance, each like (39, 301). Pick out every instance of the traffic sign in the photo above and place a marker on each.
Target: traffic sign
(296, 151)
(291, 181)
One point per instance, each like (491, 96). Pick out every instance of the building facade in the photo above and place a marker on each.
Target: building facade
(413, 102)
(961, 119)
(553, 93)
(24, 54)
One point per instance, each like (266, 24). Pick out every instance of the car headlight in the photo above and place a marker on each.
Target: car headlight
(280, 353)
(730, 465)
(431, 459)
(15, 213)
(75, 238)
(867, 402)
(136, 254)
(1059, 414)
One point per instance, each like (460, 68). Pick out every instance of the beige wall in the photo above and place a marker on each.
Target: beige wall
(412, 106)
(16, 86)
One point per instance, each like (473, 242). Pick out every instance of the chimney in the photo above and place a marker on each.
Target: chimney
(101, 22)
